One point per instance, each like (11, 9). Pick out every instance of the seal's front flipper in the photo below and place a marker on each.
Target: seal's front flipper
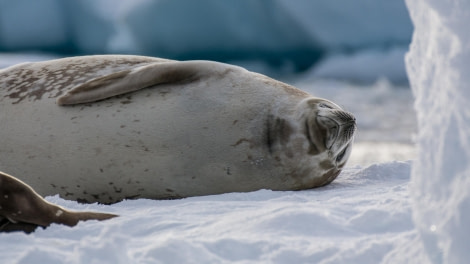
(22, 209)
(138, 78)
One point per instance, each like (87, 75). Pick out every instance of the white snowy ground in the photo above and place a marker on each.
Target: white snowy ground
(362, 217)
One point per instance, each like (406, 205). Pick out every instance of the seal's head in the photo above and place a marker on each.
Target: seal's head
(320, 141)
(329, 128)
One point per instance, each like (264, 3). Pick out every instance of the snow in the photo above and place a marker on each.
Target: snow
(438, 64)
(360, 218)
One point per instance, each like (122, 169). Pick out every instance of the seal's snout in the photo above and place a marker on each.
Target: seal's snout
(344, 118)
(337, 123)
(347, 122)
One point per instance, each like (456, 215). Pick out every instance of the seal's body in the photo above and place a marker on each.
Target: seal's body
(107, 128)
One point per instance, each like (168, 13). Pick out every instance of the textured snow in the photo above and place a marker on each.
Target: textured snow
(438, 64)
(360, 218)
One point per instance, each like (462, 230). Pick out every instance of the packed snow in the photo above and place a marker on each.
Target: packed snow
(360, 218)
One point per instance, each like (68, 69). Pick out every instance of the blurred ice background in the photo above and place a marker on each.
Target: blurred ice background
(282, 33)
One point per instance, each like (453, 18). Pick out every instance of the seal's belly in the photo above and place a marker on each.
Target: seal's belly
(149, 144)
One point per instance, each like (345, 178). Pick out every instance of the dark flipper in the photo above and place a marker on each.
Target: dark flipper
(22, 209)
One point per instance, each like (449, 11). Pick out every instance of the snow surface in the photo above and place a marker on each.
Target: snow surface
(438, 64)
(365, 216)
(360, 218)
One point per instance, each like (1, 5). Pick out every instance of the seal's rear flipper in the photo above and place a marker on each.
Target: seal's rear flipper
(138, 78)
(22, 209)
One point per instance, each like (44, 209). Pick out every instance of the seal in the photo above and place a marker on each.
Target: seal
(112, 127)
(22, 209)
